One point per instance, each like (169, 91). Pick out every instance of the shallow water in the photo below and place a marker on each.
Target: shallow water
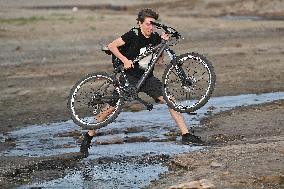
(127, 165)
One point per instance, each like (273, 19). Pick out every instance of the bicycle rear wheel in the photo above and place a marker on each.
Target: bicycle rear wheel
(95, 101)
(189, 84)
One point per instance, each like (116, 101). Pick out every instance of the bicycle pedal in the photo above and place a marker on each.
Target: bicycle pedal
(149, 107)
(191, 113)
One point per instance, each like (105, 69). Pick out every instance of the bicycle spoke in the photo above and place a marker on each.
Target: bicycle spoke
(92, 99)
(191, 85)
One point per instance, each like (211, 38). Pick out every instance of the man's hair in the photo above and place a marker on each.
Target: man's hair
(147, 12)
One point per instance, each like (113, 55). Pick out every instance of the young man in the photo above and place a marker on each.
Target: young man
(131, 44)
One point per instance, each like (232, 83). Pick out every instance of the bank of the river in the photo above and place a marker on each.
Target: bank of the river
(247, 151)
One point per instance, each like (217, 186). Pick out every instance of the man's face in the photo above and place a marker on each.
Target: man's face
(146, 26)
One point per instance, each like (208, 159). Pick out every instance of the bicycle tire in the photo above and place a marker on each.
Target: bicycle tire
(187, 99)
(90, 95)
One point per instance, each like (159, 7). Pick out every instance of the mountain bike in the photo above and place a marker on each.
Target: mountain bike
(188, 82)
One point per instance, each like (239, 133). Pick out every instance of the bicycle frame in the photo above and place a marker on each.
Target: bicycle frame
(113, 89)
(160, 48)
(157, 52)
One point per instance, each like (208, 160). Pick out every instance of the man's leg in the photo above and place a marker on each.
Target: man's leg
(88, 136)
(102, 116)
(104, 113)
(86, 142)
(178, 117)
(187, 137)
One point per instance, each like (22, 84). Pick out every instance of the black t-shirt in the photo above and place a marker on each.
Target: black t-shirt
(135, 43)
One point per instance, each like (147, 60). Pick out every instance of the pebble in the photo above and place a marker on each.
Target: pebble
(113, 140)
(75, 9)
(215, 164)
(201, 184)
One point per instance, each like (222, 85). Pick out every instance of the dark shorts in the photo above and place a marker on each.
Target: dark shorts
(152, 86)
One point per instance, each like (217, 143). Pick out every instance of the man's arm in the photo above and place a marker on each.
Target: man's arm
(113, 47)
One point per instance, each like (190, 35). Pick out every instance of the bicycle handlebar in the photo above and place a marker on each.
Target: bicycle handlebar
(168, 30)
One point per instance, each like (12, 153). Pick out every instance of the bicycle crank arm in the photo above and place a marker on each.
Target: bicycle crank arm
(149, 107)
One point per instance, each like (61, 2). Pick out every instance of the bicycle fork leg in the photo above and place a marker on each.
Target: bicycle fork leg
(186, 81)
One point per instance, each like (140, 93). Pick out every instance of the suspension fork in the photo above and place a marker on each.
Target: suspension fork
(186, 81)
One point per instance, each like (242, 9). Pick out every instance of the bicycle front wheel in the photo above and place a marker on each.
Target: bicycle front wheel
(188, 84)
(95, 101)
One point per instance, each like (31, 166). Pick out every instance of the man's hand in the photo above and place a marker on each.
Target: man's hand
(165, 36)
(128, 64)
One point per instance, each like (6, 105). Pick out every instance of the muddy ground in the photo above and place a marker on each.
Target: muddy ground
(47, 46)
(247, 151)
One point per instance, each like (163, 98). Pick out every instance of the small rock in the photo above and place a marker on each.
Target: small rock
(206, 184)
(136, 107)
(68, 146)
(187, 185)
(136, 139)
(133, 107)
(238, 45)
(215, 164)
(114, 140)
(134, 130)
(175, 134)
(226, 173)
(18, 48)
(43, 60)
(75, 134)
(212, 108)
(75, 9)
(201, 184)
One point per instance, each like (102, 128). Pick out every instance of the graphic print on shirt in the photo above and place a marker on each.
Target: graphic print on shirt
(143, 63)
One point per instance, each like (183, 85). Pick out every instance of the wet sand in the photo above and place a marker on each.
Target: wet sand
(47, 50)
